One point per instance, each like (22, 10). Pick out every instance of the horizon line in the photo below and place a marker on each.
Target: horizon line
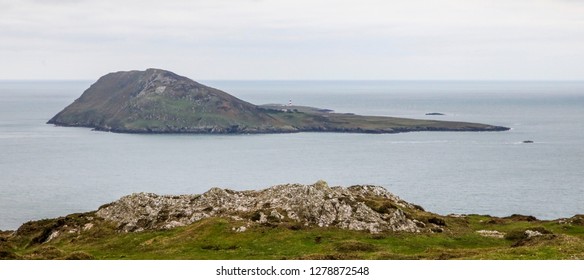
(320, 80)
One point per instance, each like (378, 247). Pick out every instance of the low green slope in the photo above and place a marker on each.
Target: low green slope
(215, 238)
(229, 224)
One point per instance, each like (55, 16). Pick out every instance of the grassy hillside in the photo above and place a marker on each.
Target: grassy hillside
(215, 238)
(281, 222)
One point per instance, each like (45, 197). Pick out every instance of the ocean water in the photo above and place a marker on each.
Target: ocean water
(48, 171)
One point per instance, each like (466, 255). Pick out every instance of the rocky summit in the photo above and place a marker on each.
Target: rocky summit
(159, 101)
(369, 208)
(289, 221)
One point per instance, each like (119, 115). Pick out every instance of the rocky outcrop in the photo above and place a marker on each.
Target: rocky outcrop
(311, 205)
(491, 233)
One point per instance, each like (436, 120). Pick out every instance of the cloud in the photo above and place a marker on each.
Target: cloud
(281, 39)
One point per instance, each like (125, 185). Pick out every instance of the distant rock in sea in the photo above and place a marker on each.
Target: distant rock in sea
(434, 114)
(159, 101)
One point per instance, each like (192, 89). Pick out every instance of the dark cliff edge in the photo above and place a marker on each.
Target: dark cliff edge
(159, 101)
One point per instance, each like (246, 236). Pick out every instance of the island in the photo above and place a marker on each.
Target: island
(159, 101)
(289, 221)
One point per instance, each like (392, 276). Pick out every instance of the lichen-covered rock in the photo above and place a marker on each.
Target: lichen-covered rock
(491, 233)
(316, 204)
(532, 233)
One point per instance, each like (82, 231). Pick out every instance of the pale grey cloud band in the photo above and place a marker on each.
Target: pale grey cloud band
(452, 39)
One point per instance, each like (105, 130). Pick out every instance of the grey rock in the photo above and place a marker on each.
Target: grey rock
(87, 226)
(312, 205)
(240, 229)
(491, 233)
(52, 236)
(532, 233)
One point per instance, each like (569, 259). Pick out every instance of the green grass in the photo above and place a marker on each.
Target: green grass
(215, 238)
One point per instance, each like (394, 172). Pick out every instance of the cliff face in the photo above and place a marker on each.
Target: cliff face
(370, 208)
(159, 101)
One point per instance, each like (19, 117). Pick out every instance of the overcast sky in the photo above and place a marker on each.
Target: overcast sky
(273, 39)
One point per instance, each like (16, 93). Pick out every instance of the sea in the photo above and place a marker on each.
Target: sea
(48, 171)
